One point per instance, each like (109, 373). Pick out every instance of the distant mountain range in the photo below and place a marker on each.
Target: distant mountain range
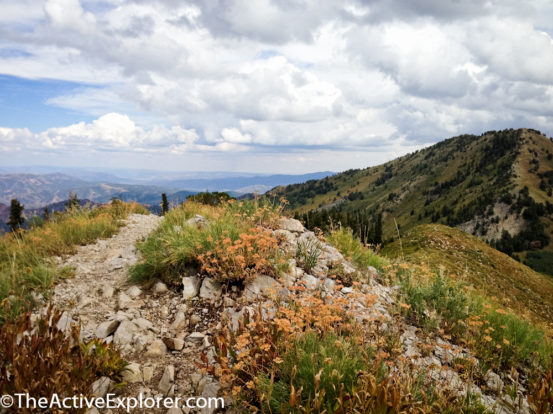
(38, 190)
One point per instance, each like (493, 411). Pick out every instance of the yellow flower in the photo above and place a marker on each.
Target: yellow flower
(488, 338)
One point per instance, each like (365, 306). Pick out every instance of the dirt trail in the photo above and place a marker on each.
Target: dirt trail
(140, 321)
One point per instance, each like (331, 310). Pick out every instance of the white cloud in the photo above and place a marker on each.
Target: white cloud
(281, 76)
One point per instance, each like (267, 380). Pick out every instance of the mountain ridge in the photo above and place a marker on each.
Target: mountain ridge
(497, 186)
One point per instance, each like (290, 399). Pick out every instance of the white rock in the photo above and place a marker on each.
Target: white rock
(197, 221)
(329, 284)
(160, 287)
(311, 282)
(125, 333)
(174, 344)
(191, 286)
(211, 389)
(107, 292)
(195, 337)
(210, 289)
(262, 285)
(156, 348)
(167, 380)
(148, 373)
(179, 323)
(494, 382)
(100, 387)
(346, 290)
(64, 323)
(143, 324)
(132, 373)
(124, 300)
(92, 410)
(291, 224)
(174, 410)
(105, 329)
(134, 292)
(116, 263)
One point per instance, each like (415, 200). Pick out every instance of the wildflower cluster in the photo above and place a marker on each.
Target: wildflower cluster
(254, 252)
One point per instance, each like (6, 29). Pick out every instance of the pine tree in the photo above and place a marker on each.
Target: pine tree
(164, 204)
(46, 214)
(16, 216)
(378, 229)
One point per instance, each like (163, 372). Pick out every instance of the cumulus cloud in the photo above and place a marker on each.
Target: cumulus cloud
(238, 76)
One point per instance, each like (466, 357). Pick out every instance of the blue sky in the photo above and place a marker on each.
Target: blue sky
(24, 103)
(264, 86)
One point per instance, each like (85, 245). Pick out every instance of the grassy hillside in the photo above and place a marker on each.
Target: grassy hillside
(491, 272)
(500, 181)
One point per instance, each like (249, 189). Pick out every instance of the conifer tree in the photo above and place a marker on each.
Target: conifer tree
(164, 204)
(46, 214)
(16, 215)
(378, 229)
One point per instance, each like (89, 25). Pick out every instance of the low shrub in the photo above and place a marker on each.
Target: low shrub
(229, 242)
(40, 359)
(254, 252)
(307, 254)
(353, 250)
(499, 339)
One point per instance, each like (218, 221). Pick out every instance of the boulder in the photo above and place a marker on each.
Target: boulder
(166, 384)
(190, 286)
(105, 329)
(124, 300)
(291, 225)
(310, 282)
(134, 292)
(174, 344)
(210, 289)
(125, 333)
(100, 387)
(132, 373)
(156, 348)
(195, 337)
(261, 286)
(160, 287)
(494, 382)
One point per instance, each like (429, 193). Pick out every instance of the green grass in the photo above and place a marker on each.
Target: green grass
(316, 364)
(353, 250)
(26, 264)
(437, 302)
(174, 248)
(492, 273)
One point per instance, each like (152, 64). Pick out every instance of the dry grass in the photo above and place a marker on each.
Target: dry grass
(26, 264)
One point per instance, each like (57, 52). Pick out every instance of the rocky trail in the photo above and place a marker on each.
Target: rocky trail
(163, 330)
(147, 325)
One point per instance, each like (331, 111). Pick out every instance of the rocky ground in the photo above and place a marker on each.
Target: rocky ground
(162, 330)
